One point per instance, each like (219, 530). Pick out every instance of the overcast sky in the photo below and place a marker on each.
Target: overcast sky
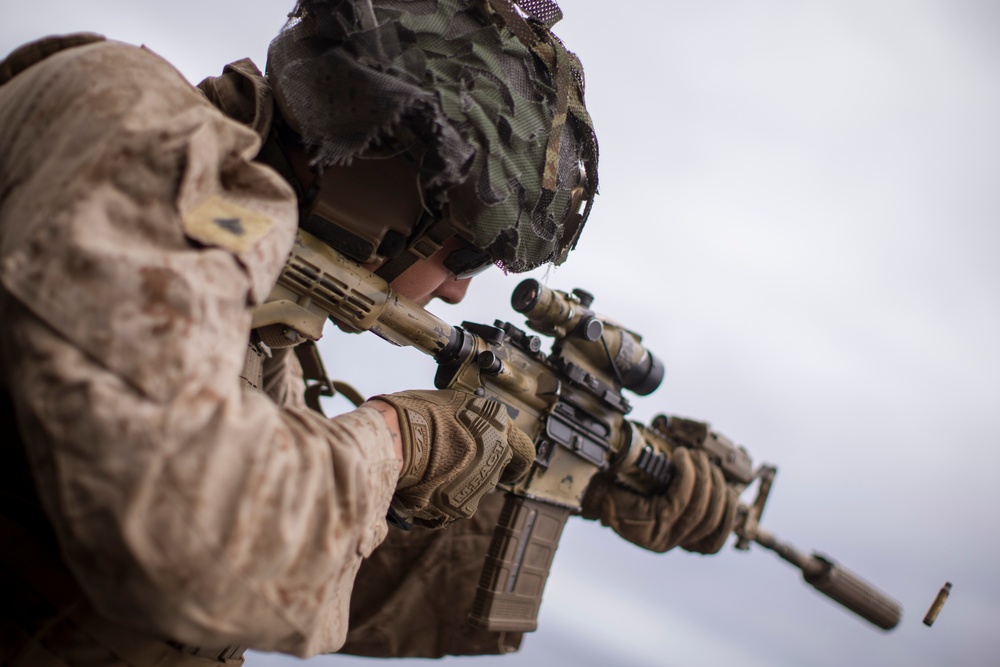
(800, 211)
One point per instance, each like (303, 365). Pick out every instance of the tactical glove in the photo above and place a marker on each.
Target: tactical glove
(456, 448)
(696, 511)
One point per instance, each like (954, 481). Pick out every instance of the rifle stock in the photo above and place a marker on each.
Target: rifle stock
(569, 401)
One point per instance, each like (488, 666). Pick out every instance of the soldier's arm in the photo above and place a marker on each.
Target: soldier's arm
(183, 504)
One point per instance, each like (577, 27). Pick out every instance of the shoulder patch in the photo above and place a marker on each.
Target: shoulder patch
(217, 222)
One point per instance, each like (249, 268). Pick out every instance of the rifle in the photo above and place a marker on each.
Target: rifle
(569, 401)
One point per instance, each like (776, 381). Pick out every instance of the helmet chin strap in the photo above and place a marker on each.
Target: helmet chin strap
(428, 237)
(391, 269)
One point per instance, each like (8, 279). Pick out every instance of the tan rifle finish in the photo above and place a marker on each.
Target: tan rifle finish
(568, 401)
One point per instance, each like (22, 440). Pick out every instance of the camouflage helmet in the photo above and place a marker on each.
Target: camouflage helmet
(478, 96)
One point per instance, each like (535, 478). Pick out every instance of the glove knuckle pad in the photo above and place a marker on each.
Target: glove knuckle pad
(490, 410)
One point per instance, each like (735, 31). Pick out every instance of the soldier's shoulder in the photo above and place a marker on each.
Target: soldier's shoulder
(34, 52)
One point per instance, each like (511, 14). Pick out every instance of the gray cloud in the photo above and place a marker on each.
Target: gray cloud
(799, 210)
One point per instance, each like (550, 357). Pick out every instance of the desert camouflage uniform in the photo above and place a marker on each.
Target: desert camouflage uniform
(140, 479)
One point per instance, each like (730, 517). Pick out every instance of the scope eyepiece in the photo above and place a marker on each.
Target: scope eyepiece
(526, 295)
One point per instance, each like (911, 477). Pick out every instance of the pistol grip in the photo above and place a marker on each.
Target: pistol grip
(517, 565)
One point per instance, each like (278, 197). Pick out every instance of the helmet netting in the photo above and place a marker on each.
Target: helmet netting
(450, 86)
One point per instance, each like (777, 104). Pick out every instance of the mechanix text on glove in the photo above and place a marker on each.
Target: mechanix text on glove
(456, 448)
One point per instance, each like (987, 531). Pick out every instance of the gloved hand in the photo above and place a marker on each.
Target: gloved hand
(456, 448)
(696, 511)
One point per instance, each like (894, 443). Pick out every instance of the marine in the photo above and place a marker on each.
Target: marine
(168, 495)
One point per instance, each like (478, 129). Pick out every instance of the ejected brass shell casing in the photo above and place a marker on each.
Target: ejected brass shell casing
(937, 604)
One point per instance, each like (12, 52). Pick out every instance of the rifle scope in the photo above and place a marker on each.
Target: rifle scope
(609, 346)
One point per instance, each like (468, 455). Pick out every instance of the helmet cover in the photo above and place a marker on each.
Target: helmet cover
(480, 96)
